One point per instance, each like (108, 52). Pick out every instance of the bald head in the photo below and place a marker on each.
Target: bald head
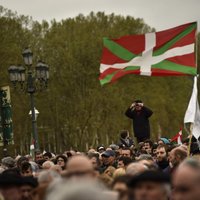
(79, 166)
(176, 156)
(135, 168)
(186, 180)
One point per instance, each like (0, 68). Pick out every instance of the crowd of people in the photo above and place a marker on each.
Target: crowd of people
(159, 170)
(149, 170)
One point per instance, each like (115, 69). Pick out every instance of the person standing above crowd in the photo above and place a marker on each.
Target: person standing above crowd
(140, 116)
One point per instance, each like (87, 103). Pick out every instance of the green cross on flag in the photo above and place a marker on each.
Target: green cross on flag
(165, 53)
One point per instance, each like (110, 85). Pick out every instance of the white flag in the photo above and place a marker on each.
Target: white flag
(196, 126)
(192, 114)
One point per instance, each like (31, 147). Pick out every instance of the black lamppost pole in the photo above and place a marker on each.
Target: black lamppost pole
(27, 55)
(41, 76)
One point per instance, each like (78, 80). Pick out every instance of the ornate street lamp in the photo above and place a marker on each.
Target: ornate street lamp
(36, 81)
(42, 73)
(28, 57)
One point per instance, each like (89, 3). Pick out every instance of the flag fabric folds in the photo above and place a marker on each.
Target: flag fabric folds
(165, 53)
(177, 138)
(192, 114)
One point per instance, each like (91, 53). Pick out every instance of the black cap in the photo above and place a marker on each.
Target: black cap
(7, 179)
(30, 180)
(138, 101)
(152, 176)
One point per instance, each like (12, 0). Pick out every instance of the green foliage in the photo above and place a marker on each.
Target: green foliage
(75, 111)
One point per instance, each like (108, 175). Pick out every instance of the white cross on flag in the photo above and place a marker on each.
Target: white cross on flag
(165, 53)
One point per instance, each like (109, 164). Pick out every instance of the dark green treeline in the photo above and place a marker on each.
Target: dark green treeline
(75, 111)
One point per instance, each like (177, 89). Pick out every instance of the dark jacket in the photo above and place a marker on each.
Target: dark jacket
(163, 164)
(125, 142)
(140, 118)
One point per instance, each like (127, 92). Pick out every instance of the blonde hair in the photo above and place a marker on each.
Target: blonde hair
(119, 172)
(110, 171)
(106, 180)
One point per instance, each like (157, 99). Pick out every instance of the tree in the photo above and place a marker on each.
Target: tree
(75, 111)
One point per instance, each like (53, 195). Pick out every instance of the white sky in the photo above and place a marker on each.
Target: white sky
(160, 14)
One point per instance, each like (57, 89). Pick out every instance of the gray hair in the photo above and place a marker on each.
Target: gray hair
(135, 168)
(8, 162)
(34, 166)
(48, 175)
(145, 157)
(47, 164)
(191, 162)
(81, 190)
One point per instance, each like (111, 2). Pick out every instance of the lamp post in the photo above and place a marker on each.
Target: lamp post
(34, 113)
(36, 80)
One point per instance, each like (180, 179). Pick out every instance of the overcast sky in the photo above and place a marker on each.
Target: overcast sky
(160, 14)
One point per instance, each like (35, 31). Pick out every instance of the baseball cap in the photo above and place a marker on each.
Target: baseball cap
(165, 140)
(108, 153)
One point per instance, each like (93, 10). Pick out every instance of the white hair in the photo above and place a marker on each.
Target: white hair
(47, 164)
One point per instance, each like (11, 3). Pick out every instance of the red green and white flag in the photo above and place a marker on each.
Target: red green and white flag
(178, 137)
(165, 53)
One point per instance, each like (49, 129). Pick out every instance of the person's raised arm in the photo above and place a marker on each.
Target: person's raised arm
(129, 111)
(148, 111)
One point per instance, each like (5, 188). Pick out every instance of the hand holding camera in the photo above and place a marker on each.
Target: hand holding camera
(139, 104)
(132, 105)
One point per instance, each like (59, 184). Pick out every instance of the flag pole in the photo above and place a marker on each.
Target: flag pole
(191, 124)
(190, 139)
